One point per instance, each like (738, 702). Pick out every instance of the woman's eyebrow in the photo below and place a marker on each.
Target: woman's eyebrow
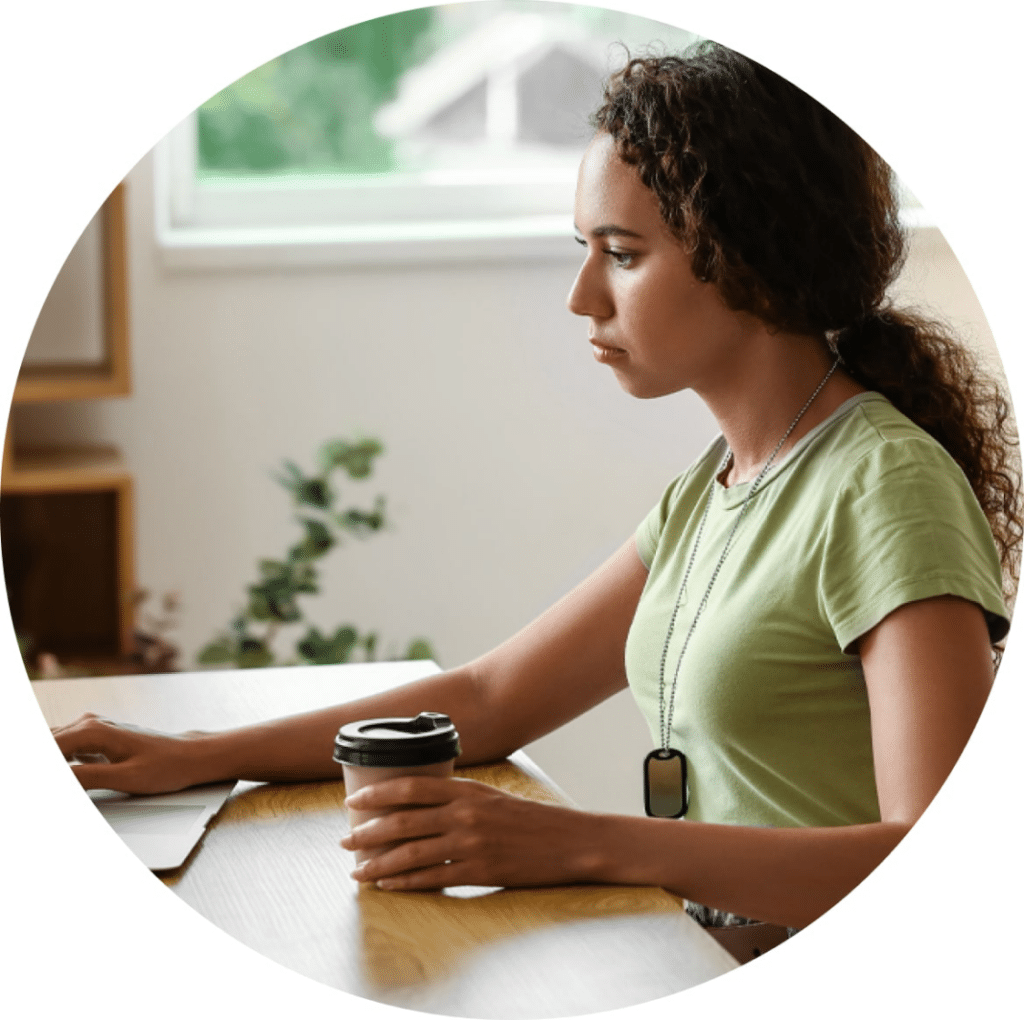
(610, 230)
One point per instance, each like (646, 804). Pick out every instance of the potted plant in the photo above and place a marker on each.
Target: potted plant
(274, 599)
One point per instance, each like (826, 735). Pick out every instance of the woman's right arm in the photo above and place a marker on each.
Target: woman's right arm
(566, 661)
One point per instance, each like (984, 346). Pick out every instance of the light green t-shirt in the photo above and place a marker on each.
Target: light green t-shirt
(866, 513)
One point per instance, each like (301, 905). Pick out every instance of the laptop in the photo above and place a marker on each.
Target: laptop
(161, 830)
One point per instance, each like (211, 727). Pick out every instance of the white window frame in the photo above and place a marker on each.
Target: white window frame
(451, 216)
(308, 221)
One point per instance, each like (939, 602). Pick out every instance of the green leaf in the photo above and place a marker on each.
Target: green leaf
(290, 478)
(318, 540)
(292, 577)
(272, 570)
(362, 522)
(259, 607)
(344, 641)
(313, 646)
(273, 600)
(333, 454)
(306, 491)
(355, 458)
(286, 609)
(319, 650)
(420, 648)
(314, 492)
(217, 652)
(253, 654)
(303, 578)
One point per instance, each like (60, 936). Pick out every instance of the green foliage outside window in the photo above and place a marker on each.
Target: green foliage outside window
(273, 600)
(311, 109)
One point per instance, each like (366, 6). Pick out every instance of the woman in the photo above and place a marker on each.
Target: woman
(808, 615)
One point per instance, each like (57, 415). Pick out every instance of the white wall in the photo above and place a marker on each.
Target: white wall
(515, 464)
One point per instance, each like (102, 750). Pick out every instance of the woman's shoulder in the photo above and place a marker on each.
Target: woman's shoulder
(866, 443)
(695, 479)
(870, 441)
(701, 471)
(900, 523)
(680, 495)
(877, 416)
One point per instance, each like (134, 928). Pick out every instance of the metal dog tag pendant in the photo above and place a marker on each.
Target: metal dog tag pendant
(665, 792)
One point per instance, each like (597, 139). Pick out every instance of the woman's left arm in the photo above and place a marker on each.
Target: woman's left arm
(928, 671)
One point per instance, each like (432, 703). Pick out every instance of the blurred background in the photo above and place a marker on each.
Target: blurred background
(369, 241)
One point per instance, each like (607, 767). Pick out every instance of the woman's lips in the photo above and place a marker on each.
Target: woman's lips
(603, 352)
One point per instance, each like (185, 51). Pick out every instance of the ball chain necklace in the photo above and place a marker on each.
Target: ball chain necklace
(665, 786)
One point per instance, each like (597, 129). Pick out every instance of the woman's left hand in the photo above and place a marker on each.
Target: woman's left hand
(461, 832)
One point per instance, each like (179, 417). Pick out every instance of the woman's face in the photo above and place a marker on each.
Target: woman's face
(651, 320)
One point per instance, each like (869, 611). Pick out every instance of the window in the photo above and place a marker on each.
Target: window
(447, 132)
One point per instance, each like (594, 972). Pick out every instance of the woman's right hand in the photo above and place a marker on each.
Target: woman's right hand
(137, 760)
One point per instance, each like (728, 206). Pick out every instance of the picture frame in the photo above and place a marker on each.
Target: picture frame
(108, 375)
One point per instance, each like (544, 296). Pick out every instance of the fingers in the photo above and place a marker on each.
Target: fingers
(437, 824)
(96, 776)
(422, 815)
(82, 718)
(410, 790)
(92, 744)
(479, 836)
(425, 847)
(90, 735)
(428, 863)
(119, 756)
(440, 876)
(401, 825)
(65, 728)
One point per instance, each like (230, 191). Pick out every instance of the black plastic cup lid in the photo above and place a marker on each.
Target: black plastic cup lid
(427, 739)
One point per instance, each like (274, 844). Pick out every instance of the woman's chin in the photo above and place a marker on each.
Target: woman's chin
(644, 389)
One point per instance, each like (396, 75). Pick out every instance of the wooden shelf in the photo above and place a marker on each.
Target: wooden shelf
(64, 469)
(39, 384)
(64, 472)
(68, 520)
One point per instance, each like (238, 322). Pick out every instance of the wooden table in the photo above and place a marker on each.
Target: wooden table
(270, 872)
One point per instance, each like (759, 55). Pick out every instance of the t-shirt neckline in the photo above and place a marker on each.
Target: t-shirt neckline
(734, 495)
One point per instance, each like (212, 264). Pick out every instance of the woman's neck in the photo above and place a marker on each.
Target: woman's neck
(756, 400)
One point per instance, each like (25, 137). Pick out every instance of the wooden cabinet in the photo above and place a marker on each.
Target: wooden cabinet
(66, 513)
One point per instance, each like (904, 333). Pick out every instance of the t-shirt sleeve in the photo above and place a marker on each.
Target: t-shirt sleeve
(649, 533)
(906, 526)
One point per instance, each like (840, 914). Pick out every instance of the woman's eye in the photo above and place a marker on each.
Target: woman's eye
(623, 259)
(620, 258)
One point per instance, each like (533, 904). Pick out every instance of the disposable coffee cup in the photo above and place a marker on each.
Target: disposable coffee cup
(373, 750)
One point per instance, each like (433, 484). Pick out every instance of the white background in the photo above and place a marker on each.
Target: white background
(930, 929)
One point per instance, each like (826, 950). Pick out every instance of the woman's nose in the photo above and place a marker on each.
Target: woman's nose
(586, 296)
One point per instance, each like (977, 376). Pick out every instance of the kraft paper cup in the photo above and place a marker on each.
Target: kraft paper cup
(373, 750)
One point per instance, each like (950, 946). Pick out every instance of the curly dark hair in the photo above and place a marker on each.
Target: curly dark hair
(795, 219)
